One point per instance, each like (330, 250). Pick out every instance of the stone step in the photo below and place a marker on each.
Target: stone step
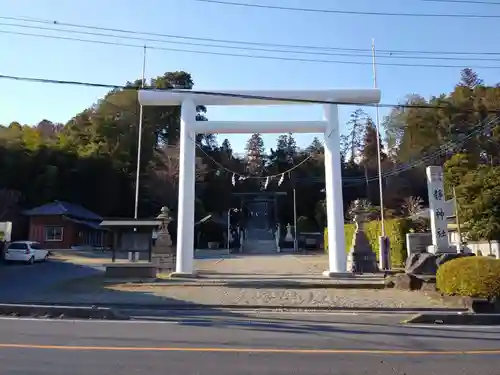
(260, 246)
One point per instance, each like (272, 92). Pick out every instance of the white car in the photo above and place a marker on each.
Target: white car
(26, 251)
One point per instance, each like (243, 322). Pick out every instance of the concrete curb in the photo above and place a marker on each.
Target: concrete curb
(62, 311)
(455, 319)
(248, 284)
(196, 306)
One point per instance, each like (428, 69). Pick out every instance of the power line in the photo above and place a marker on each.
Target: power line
(252, 56)
(244, 96)
(475, 2)
(246, 48)
(229, 41)
(476, 130)
(348, 12)
(450, 145)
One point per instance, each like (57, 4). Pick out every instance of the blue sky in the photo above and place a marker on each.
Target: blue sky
(65, 60)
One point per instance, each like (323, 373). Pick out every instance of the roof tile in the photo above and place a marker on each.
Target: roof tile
(63, 208)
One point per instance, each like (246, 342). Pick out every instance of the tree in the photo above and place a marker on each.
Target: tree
(460, 129)
(469, 79)
(354, 138)
(369, 150)
(368, 155)
(479, 199)
(283, 157)
(320, 214)
(316, 146)
(287, 145)
(255, 154)
(362, 204)
(9, 199)
(226, 149)
(455, 171)
(163, 176)
(412, 205)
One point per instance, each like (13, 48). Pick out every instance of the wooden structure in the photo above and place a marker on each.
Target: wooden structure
(64, 225)
(134, 237)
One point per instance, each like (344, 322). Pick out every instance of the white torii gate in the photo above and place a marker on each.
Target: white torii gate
(189, 127)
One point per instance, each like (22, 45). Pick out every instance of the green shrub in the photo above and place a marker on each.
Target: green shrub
(395, 229)
(470, 276)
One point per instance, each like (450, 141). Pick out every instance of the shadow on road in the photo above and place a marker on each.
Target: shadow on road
(371, 331)
(64, 283)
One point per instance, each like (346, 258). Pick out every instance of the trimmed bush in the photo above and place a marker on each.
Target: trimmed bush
(477, 277)
(395, 229)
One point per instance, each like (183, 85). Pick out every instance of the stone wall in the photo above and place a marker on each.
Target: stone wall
(483, 248)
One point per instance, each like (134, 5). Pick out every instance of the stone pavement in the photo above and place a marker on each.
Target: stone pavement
(273, 264)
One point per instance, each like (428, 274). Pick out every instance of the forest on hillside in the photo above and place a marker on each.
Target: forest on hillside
(91, 160)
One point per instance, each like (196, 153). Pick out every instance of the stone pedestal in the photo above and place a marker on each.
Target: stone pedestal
(338, 275)
(131, 271)
(361, 258)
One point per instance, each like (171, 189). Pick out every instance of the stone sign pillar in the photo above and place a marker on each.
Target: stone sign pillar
(437, 211)
(361, 258)
(163, 251)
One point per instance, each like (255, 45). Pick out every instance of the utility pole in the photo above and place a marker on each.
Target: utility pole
(139, 140)
(383, 241)
(295, 239)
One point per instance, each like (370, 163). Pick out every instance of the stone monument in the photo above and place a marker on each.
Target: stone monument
(438, 211)
(288, 236)
(164, 252)
(361, 258)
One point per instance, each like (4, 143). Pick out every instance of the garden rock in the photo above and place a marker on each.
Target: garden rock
(428, 264)
(404, 281)
(421, 264)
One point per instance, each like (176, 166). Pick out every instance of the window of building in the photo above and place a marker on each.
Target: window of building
(53, 234)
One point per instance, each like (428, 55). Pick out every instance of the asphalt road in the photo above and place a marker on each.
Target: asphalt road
(25, 281)
(234, 343)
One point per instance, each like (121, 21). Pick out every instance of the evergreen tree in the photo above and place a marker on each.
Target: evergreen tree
(316, 146)
(469, 79)
(369, 150)
(355, 136)
(226, 149)
(286, 150)
(255, 154)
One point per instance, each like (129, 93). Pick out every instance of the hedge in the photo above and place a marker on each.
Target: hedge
(477, 277)
(395, 229)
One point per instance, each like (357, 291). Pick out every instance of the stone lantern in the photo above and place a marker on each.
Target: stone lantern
(361, 258)
(164, 251)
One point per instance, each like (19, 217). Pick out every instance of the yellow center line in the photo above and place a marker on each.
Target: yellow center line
(252, 350)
